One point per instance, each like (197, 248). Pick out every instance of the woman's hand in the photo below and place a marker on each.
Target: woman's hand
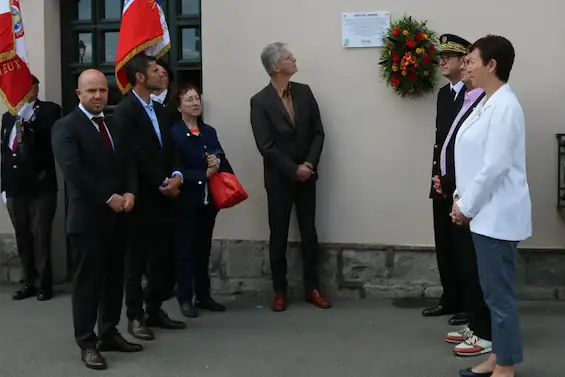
(211, 171)
(212, 160)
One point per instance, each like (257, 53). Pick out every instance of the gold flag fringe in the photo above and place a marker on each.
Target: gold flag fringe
(14, 109)
(129, 56)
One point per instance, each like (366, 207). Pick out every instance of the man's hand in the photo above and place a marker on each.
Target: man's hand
(303, 173)
(129, 201)
(457, 216)
(171, 186)
(437, 184)
(117, 203)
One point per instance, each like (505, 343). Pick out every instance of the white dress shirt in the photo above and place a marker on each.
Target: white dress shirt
(161, 97)
(490, 169)
(456, 88)
(91, 116)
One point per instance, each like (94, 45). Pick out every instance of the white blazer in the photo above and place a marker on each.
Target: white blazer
(490, 169)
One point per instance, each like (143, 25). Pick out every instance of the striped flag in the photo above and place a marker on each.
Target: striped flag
(143, 30)
(15, 78)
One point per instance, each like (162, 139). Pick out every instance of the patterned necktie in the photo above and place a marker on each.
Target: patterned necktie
(102, 128)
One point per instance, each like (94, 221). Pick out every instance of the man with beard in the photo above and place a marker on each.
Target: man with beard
(150, 250)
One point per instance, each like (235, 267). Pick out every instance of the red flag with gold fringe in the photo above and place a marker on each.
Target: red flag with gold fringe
(15, 77)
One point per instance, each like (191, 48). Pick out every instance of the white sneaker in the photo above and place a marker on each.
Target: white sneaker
(473, 346)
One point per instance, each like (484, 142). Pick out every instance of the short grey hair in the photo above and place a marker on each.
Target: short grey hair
(271, 55)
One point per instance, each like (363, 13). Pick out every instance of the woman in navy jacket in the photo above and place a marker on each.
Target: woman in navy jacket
(201, 157)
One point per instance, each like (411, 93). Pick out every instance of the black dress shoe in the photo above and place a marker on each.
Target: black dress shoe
(117, 343)
(459, 319)
(162, 320)
(188, 310)
(44, 294)
(469, 373)
(92, 359)
(24, 292)
(211, 305)
(437, 311)
(139, 330)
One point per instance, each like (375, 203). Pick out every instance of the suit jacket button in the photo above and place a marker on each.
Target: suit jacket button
(15, 166)
(434, 162)
(199, 182)
(435, 146)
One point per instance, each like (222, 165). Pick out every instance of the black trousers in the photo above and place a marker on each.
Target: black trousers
(446, 255)
(150, 254)
(32, 218)
(194, 243)
(97, 285)
(468, 279)
(280, 200)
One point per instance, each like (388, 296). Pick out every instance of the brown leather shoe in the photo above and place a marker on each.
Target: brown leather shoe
(280, 303)
(139, 330)
(162, 320)
(118, 343)
(92, 359)
(315, 298)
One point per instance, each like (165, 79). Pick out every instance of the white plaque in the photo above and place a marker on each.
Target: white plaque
(364, 29)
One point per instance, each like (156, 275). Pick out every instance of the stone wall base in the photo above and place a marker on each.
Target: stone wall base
(353, 271)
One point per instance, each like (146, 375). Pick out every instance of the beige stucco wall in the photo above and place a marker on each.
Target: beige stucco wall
(375, 170)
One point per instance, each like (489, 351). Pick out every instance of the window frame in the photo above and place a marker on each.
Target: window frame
(98, 25)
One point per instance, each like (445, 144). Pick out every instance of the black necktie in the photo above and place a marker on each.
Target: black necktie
(453, 94)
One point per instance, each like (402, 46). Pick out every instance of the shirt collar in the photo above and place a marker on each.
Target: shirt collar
(457, 87)
(282, 92)
(500, 92)
(161, 97)
(145, 104)
(472, 95)
(89, 114)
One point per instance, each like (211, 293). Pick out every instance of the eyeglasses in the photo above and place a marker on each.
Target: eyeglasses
(289, 57)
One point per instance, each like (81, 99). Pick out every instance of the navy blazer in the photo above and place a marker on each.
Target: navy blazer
(192, 151)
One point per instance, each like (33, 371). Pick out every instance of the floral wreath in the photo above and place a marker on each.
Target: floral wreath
(408, 63)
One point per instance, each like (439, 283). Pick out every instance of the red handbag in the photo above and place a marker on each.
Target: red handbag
(226, 190)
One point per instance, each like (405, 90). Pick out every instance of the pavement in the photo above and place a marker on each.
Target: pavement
(357, 338)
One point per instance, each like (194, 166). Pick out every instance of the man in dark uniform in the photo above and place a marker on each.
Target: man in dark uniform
(29, 184)
(449, 103)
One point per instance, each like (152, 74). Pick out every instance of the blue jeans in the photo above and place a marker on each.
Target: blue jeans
(496, 260)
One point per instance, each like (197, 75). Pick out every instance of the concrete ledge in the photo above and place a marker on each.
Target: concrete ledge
(348, 270)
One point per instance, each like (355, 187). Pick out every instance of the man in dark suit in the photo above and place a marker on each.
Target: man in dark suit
(474, 339)
(449, 102)
(29, 183)
(151, 250)
(289, 135)
(101, 185)
(166, 77)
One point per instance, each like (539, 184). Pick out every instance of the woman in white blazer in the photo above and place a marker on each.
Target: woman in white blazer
(493, 197)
